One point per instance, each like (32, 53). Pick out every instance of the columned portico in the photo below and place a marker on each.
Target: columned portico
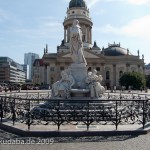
(114, 74)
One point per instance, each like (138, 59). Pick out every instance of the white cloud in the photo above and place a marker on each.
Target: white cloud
(138, 2)
(91, 3)
(99, 12)
(133, 2)
(136, 28)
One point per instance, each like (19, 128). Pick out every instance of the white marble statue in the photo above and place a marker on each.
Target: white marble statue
(93, 80)
(61, 89)
(76, 44)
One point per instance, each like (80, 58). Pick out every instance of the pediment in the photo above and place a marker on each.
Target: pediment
(86, 54)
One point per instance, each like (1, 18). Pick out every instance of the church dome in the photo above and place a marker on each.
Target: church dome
(77, 3)
(115, 50)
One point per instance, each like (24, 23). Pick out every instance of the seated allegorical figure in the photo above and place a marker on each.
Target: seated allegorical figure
(62, 87)
(93, 80)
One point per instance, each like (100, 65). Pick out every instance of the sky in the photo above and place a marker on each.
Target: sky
(28, 25)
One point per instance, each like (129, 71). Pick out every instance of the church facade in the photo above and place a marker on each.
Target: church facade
(110, 62)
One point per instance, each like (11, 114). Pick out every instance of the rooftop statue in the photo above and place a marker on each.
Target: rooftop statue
(76, 44)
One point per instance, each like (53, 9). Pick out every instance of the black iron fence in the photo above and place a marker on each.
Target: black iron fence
(116, 110)
(28, 94)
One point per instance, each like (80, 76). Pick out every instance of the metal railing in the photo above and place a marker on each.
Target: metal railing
(28, 94)
(116, 110)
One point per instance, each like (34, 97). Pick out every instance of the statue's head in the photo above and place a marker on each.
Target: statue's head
(94, 71)
(63, 74)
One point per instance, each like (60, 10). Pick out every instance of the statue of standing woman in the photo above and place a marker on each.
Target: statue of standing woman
(76, 44)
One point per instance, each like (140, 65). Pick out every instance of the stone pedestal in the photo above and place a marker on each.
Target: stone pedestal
(79, 73)
(80, 93)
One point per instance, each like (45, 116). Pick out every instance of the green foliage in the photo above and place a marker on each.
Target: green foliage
(148, 81)
(134, 79)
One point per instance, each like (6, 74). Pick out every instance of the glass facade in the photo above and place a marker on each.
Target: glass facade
(10, 71)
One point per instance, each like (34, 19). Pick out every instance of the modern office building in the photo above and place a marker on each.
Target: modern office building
(10, 71)
(29, 59)
(111, 62)
(26, 70)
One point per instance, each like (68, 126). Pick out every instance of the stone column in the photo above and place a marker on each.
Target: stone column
(68, 33)
(45, 74)
(114, 75)
(48, 73)
(103, 73)
(86, 36)
(65, 35)
(91, 36)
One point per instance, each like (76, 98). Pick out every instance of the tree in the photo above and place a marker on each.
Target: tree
(134, 79)
(148, 81)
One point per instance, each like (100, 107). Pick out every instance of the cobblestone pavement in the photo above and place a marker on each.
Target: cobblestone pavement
(127, 142)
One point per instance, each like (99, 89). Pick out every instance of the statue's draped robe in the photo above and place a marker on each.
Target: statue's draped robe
(76, 45)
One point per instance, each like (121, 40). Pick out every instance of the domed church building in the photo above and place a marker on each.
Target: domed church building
(110, 62)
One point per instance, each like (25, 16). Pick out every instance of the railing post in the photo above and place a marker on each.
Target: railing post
(27, 95)
(38, 95)
(116, 115)
(120, 94)
(38, 98)
(144, 119)
(1, 108)
(14, 111)
(48, 94)
(4, 106)
(58, 115)
(29, 114)
(108, 95)
(44, 115)
(88, 115)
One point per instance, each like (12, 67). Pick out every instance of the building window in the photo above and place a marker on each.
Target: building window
(107, 75)
(73, 12)
(89, 69)
(62, 68)
(52, 69)
(120, 73)
(52, 80)
(98, 68)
